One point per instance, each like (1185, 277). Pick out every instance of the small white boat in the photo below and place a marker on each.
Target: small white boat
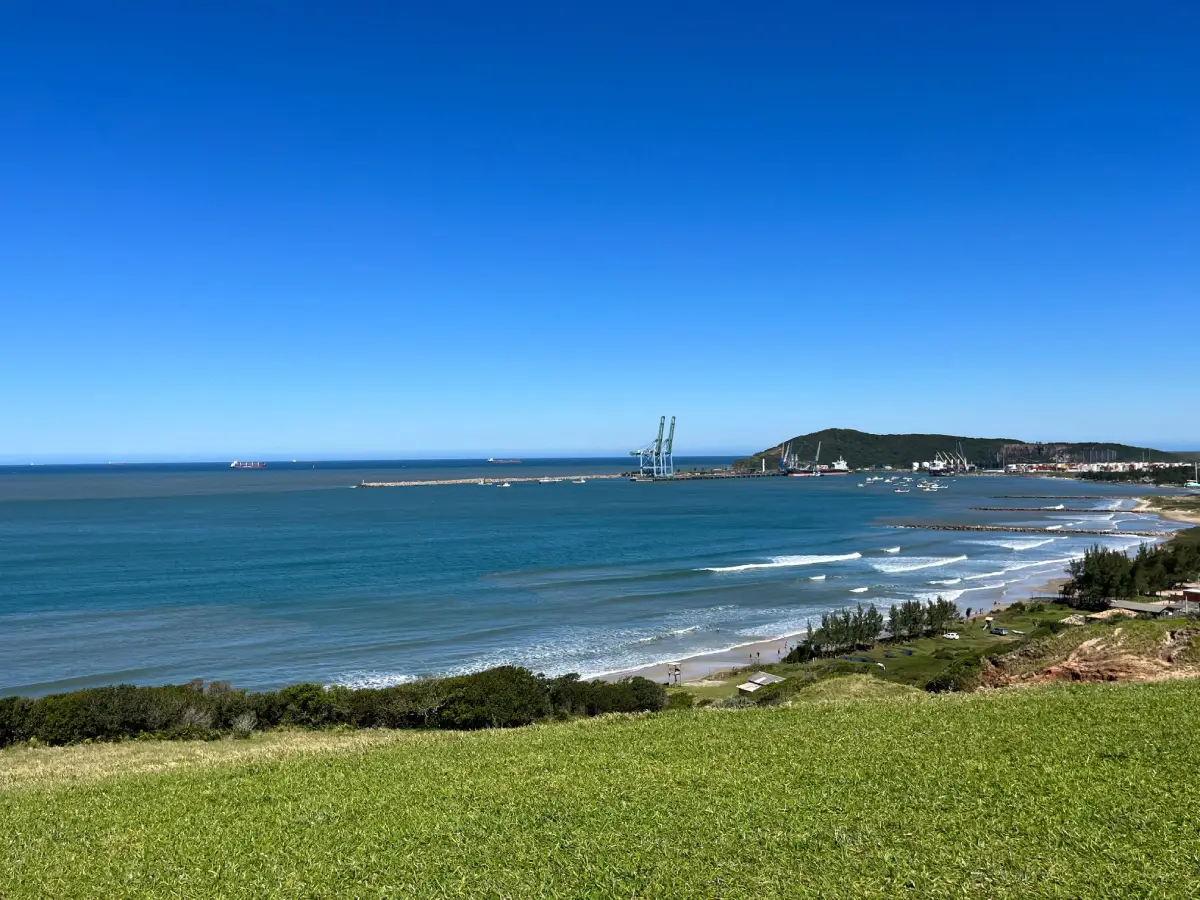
(860, 484)
(579, 481)
(901, 490)
(547, 480)
(506, 484)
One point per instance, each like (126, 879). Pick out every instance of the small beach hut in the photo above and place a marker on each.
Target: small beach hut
(757, 682)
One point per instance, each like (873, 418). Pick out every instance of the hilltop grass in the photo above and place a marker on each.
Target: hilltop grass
(1058, 791)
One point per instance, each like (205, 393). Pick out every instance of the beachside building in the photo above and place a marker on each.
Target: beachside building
(757, 682)
(1137, 608)
(1110, 614)
(1191, 596)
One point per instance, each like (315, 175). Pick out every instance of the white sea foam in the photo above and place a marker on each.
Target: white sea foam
(947, 581)
(891, 549)
(930, 596)
(1062, 561)
(1014, 544)
(862, 590)
(373, 679)
(782, 562)
(816, 578)
(912, 563)
(1053, 527)
(674, 632)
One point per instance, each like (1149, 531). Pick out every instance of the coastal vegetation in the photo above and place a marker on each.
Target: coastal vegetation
(865, 450)
(1103, 575)
(857, 789)
(860, 628)
(1180, 507)
(503, 697)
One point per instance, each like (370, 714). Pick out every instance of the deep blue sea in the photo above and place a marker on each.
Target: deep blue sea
(164, 573)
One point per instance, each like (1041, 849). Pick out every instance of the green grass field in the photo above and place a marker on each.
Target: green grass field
(1056, 791)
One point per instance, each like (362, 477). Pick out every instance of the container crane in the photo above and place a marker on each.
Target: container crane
(657, 460)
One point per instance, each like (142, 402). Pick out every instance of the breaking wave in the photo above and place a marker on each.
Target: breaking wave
(1014, 544)
(912, 563)
(357, 680)
(782, 562)
(1029, 565)
(930, 596)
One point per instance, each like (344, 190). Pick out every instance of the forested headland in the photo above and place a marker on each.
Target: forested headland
(862, 450)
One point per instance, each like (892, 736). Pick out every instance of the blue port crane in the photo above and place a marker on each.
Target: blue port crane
(656, 460)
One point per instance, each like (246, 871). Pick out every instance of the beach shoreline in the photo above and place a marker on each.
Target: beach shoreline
(1175, 515)
(700, 666)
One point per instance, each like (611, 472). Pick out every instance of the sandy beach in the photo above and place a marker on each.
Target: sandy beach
(697, 667)
(1144, 505)
(702, 665)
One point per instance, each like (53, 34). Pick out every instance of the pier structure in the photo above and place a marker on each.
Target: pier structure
(657, 460)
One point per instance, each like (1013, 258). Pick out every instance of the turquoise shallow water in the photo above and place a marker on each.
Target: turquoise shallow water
(263, 577)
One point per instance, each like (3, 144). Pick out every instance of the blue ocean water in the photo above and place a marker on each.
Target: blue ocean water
(153, 574)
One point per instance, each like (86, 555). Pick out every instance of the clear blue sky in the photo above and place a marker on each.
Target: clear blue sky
(389, 229)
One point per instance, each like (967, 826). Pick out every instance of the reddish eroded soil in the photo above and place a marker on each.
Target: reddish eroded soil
(1109, 658)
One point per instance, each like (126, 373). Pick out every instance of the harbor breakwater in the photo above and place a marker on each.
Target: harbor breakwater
(1061, 509)
(1029, 529)
(486, 481)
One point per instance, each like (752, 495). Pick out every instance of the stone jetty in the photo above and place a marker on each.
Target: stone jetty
(1055, 497)
(1062, 509)
(1028, 529)
(510, 480)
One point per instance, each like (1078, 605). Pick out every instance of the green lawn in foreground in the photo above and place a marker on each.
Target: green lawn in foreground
(1063, 791)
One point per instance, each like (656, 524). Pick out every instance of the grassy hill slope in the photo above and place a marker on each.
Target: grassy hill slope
(1063, 791)
(862, 449)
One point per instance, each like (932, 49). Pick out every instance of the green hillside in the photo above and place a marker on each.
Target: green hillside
(1052, 791)
(863, 450)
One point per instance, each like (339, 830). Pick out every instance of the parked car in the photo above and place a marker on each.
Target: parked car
(951, 635)
(1000, 631)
